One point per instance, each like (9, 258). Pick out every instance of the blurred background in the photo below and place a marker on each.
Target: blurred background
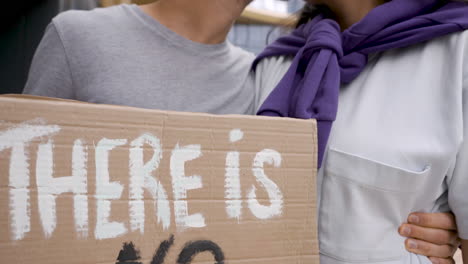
(255, 35)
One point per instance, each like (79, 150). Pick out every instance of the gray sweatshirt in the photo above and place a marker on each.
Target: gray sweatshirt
(120, 55)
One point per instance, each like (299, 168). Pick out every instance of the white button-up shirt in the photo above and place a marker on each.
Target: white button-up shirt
(399, 145)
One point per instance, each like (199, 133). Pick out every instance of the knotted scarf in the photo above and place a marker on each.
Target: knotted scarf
(325, 57)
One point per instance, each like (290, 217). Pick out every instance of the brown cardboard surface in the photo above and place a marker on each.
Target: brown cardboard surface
(100, 208)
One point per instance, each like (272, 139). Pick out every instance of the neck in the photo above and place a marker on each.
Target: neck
(202, 21)
(349, 12)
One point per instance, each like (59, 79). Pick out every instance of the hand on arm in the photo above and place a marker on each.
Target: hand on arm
(433, 235)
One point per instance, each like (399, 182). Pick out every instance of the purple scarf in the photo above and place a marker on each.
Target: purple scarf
(325, 57)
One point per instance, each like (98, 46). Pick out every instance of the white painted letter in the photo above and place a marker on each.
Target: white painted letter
(270, 157)
(181, 184)
(106, 191)
(80, 179)
(17, 138)
(141, 177)
(232, 179)
(49, 188)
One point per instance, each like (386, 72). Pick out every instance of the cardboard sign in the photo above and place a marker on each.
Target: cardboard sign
(84, 183)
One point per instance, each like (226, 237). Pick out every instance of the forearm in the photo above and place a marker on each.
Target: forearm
(465, 250)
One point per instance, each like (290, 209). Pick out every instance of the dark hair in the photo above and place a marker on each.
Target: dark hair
(310, 11)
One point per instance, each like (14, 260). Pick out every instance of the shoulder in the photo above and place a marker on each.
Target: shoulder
(108, 14)
(76, 23)
(456, 46)
(458, 41)
(445, 56)
(84, 32)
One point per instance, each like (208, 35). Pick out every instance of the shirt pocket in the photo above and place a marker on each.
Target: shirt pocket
(362, 205)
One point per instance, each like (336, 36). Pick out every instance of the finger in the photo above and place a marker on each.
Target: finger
(432, 235)
(434, 220)
(431, 250)
(435, 260)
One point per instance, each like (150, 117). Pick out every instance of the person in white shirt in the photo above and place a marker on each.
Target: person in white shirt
(398, 144)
